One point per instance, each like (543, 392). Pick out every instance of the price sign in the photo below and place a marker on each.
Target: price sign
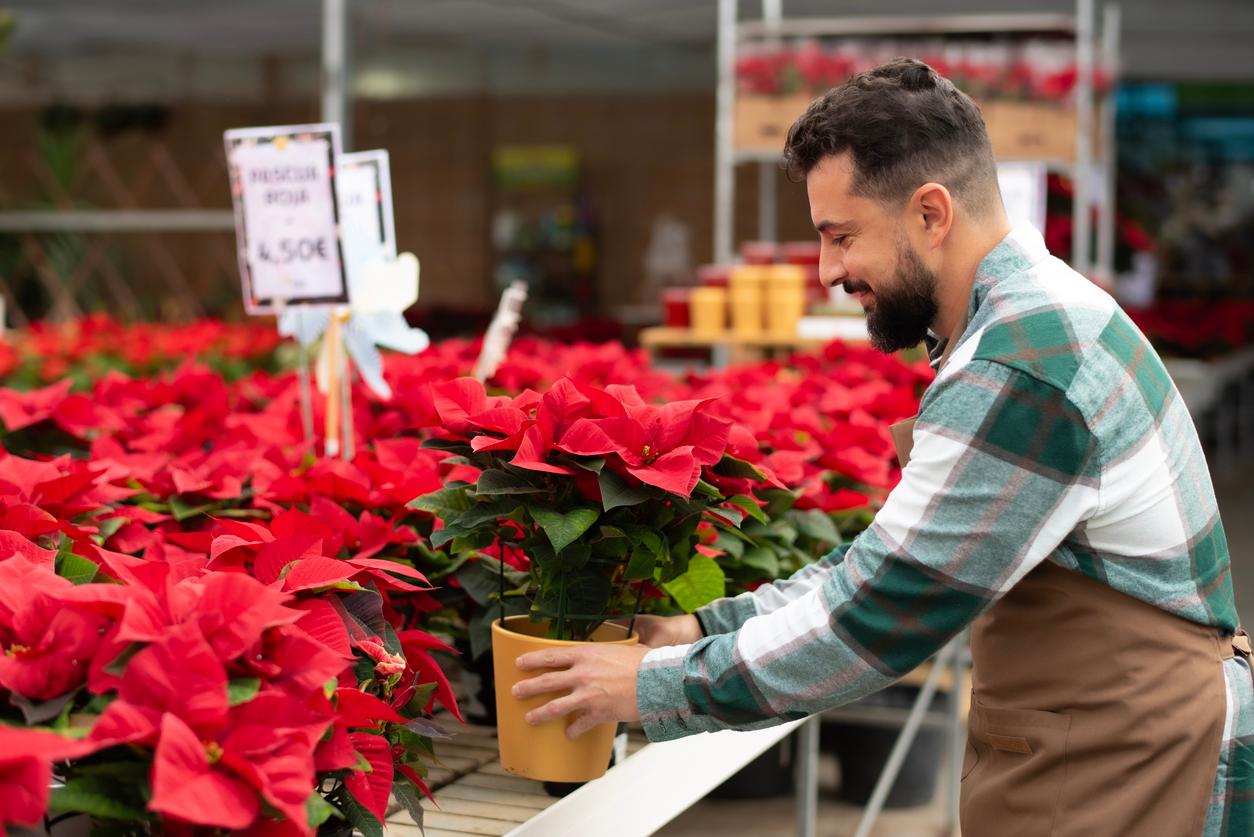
(365, 190)
(287, 215)
(1023, 190)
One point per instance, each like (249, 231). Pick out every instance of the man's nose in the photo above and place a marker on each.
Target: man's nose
(832, 272)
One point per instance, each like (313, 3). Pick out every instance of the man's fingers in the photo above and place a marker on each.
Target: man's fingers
(548, 658)
(554, 709)
(582, 724)
(542, 684)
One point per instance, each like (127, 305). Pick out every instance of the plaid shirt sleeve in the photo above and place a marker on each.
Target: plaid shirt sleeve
(726, 615)
(1003, 469)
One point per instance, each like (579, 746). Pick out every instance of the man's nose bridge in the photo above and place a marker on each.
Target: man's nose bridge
(831, 268)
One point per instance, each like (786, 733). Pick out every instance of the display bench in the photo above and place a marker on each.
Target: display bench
(725, 348)
(728, 347)
(474, 795)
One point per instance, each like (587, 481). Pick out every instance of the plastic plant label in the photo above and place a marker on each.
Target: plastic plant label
(365, 192)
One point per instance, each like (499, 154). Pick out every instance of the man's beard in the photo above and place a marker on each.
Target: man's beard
(906, 308)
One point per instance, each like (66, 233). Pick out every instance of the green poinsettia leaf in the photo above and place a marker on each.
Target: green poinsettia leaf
(748, 506)
(615, 491)
(182, 509)
(733, 517)
(481, 513)
(706, 489)
(318, 810)
(762, 558)
(730, 466)
(451, 445)
(446, 503)
(96, 796)
(563, 529)
(109, 528)
(76, 568)
(701, 584)
(406, 794)
(242, 689)
(359, 816)
(642, 563)
(815, 524)
(497, 481)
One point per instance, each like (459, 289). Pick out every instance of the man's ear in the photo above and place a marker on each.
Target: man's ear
(931, 212)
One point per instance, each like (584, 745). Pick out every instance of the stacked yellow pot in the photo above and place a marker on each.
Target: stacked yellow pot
(785, 298)
(746, 288)
(708, 310)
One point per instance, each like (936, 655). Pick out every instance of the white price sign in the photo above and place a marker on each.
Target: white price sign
(287, 215)
(365, 189)
(1023, 192)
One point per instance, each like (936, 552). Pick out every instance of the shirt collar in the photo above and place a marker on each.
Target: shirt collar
(1022, 248)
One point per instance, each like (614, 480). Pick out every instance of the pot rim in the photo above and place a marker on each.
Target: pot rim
(497, 626)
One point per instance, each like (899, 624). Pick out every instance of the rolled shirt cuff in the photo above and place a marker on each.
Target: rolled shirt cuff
(665, 712)
(725, 616)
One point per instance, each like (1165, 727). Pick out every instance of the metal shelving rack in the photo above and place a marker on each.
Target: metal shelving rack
(1092, 146)
(731, 34)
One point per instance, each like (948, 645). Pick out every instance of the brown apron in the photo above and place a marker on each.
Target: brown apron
(1092, 713)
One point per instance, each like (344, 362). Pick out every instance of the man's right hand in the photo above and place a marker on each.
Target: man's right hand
(657, 631)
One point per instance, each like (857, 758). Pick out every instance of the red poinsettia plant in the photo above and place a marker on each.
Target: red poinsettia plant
(588, 498)
(246, 676)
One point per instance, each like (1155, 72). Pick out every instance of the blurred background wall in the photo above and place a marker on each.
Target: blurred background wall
(121, 104)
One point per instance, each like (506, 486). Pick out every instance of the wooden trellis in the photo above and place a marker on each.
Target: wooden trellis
(123, 229)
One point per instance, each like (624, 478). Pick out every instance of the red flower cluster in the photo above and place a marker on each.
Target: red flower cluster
(93, 345)
(1024, 69)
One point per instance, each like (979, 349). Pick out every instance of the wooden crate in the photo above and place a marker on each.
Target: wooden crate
(761, 123)
(1030, 130)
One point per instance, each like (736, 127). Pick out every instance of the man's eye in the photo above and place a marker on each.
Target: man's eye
(839, 241)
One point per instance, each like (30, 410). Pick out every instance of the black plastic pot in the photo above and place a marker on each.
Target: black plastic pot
(770, 774)
(479, 687)
(863, 751)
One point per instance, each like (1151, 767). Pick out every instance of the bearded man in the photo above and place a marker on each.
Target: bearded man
(1054, 497)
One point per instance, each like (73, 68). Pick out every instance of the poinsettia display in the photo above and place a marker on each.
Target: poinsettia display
(1032, 68)
(216, 676)
(193, 600)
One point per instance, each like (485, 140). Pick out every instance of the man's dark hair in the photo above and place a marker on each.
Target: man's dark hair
(904, 125)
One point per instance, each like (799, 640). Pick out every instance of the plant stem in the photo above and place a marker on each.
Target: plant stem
(561, 606)
(500, 596)
(635, 610)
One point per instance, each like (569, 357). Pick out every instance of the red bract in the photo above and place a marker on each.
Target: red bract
(45, 647)
(26, 773)
(264, 748)
(662, 446)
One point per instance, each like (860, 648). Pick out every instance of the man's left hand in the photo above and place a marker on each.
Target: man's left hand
(601, 681)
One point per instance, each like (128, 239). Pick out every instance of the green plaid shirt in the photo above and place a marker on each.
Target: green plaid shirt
(1053, 433)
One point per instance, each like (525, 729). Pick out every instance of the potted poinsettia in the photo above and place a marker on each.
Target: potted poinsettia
(595, 498)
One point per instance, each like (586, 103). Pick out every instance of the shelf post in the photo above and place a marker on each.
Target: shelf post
(724, 171)
(1082, 229)
(1109, 154)
(336, 74)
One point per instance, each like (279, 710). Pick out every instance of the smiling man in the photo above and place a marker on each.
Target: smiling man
(1054, 497)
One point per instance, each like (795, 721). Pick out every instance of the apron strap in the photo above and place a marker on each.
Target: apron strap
(1241, 643)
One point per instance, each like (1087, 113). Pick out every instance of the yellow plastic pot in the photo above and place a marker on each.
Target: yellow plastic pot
(544, 752)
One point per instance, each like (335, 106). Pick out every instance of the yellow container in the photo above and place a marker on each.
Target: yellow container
(544, 752)
(787, 276)
(784, 310)
(746, 294)
(708, 308)
(785, 298)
